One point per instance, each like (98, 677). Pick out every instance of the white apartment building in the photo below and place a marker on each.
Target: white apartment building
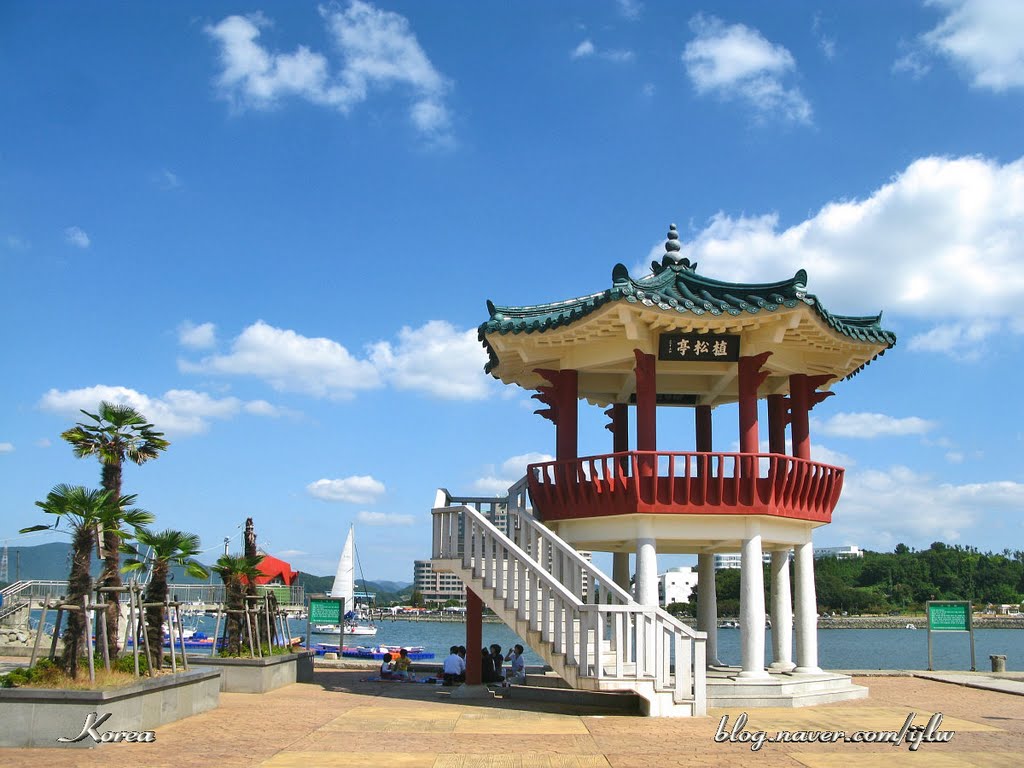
(437, 588)
(841, 553)
(676, 585)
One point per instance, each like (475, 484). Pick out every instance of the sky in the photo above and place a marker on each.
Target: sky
(273, 228)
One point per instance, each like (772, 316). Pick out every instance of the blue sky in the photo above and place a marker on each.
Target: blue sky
(273, 228)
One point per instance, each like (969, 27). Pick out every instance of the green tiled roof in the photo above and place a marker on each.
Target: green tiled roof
(675, 286)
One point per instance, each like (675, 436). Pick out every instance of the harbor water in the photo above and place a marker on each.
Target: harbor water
(867, 649)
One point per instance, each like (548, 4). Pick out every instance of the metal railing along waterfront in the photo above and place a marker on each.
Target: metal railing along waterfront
(681, 482)
(618, 641)
(203, 594)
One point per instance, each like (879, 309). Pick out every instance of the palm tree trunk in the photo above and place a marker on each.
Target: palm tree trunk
(111, 481)
(234, 589)
(79, 585)
(156, 592)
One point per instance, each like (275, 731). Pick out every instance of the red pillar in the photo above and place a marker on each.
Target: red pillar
(777, 417)
(750, 378)
(702, 418)
(799, 397)
(562, 397)
(567, 429)
(474, 637)
(646, 402)
(619, 427)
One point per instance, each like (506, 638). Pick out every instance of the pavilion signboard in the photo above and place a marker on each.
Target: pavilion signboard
(699, 347)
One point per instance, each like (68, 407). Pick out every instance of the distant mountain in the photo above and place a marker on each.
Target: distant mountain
(385, 591)
(53, 561)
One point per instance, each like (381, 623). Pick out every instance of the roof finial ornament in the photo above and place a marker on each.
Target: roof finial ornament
(673, 257)
(672, 245)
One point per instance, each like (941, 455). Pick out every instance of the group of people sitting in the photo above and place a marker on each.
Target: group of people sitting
(396, 668)
(492, 666)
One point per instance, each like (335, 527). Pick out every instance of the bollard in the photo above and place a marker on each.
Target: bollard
(998, 662)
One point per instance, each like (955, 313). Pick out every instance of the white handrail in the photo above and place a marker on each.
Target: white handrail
(642, 640)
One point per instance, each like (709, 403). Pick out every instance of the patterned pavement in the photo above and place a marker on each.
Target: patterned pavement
(340, 721)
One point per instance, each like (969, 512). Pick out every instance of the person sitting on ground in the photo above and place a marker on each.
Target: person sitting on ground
(385, 668)
(517, 675)
(497, 661)
(462, 655)
(401, 665)
(453, 667)
(486, 666)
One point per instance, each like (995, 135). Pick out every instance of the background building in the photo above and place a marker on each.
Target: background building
(437, 588)
(842, 553)
(676, 585)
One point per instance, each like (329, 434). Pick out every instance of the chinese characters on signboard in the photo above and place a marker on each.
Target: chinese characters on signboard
(699, 347)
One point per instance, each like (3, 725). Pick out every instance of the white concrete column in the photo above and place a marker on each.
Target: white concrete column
(620, 569)
(646, 571)
(752, 608)
(806, 618)
(782, 613)
(707, 606)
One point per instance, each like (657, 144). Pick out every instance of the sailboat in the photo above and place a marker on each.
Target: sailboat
(344, 587)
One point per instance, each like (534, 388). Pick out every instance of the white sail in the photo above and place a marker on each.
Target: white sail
(344, 580)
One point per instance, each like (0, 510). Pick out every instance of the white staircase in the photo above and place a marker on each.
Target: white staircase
(535, 584)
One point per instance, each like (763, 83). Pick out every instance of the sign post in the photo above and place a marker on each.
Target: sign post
(324, 610)
(949, 616)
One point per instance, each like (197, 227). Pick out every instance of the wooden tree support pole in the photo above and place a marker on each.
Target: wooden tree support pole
(88, 637)
(39, 631)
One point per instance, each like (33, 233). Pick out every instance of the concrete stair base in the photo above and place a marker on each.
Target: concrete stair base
(784, 689)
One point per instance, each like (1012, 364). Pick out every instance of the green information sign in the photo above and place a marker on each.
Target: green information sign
(324, 611)
(949, 617)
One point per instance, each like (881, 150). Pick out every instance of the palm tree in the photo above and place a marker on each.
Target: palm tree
(86, 512)
(167, 548)
(120, 432)
(236, 571)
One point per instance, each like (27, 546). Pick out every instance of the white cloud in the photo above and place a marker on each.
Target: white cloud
(357, 489)
(77, 237)
(985, 38)
(176, 412)
(435, 358)
(43, 442)
(879, 509)
(167, 180)
(383, 518)
(960, 340)
(826, 44)
(262, 408)
(377, 50)
(871, 425)
(630, 8)
(6, 447)
(943, 229)
(289, 361)
(202, 336)
(497, 480)
(737, 63)
(586, 48)
(913, 64)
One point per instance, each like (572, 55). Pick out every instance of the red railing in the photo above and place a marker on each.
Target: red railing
(685, 483)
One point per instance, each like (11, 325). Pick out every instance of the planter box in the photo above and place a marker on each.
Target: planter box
(37, 717)
(259, 675)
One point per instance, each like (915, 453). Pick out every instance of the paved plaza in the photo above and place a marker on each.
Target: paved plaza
(341, 721)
